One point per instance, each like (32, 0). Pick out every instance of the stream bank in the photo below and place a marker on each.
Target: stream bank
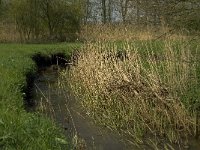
(48, 98)
(45, 95)
(60, 105)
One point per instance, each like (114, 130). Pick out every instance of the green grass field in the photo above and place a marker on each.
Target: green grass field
(18, 128)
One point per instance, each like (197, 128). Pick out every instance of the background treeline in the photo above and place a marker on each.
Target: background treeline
(61, 20)
(179, 13)
(42, 19)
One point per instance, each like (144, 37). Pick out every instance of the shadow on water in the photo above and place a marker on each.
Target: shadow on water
(61, 106)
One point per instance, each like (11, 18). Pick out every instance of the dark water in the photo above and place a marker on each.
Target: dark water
(61, 106)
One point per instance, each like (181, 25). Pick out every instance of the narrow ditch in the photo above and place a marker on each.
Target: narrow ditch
(42, 61)
(46, 96)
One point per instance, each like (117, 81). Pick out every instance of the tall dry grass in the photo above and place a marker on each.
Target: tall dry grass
(120, 32)
(140, 95)
(102, 32)
(8, 33)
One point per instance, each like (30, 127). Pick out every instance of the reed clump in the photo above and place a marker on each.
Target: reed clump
(138, 92)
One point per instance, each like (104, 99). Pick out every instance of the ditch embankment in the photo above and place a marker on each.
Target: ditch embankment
(48, 97)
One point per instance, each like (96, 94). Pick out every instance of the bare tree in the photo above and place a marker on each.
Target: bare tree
(124, 9)
(87, 10)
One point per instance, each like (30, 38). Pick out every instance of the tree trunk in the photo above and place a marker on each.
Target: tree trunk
(110, 11)
(138, 12)
(104, 11)
(49, 19)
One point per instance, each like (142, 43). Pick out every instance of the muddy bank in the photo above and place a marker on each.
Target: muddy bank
(44, 95)
(59, 60)
(60, 105)
(48, 97)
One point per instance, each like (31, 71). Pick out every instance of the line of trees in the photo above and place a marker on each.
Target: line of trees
(44, 19)
(61, 19)
(178, 13)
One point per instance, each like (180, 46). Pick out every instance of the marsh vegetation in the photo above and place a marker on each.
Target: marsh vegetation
(134, 69)
(144, 89)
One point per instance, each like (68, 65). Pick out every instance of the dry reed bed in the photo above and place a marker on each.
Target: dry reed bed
(109, 32)
(137, 94)
(120, 32)
(8, 33)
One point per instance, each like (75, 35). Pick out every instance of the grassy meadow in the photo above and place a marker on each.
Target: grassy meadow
(143, 88)
(133, 66)
(18, 128)
(143, 85)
